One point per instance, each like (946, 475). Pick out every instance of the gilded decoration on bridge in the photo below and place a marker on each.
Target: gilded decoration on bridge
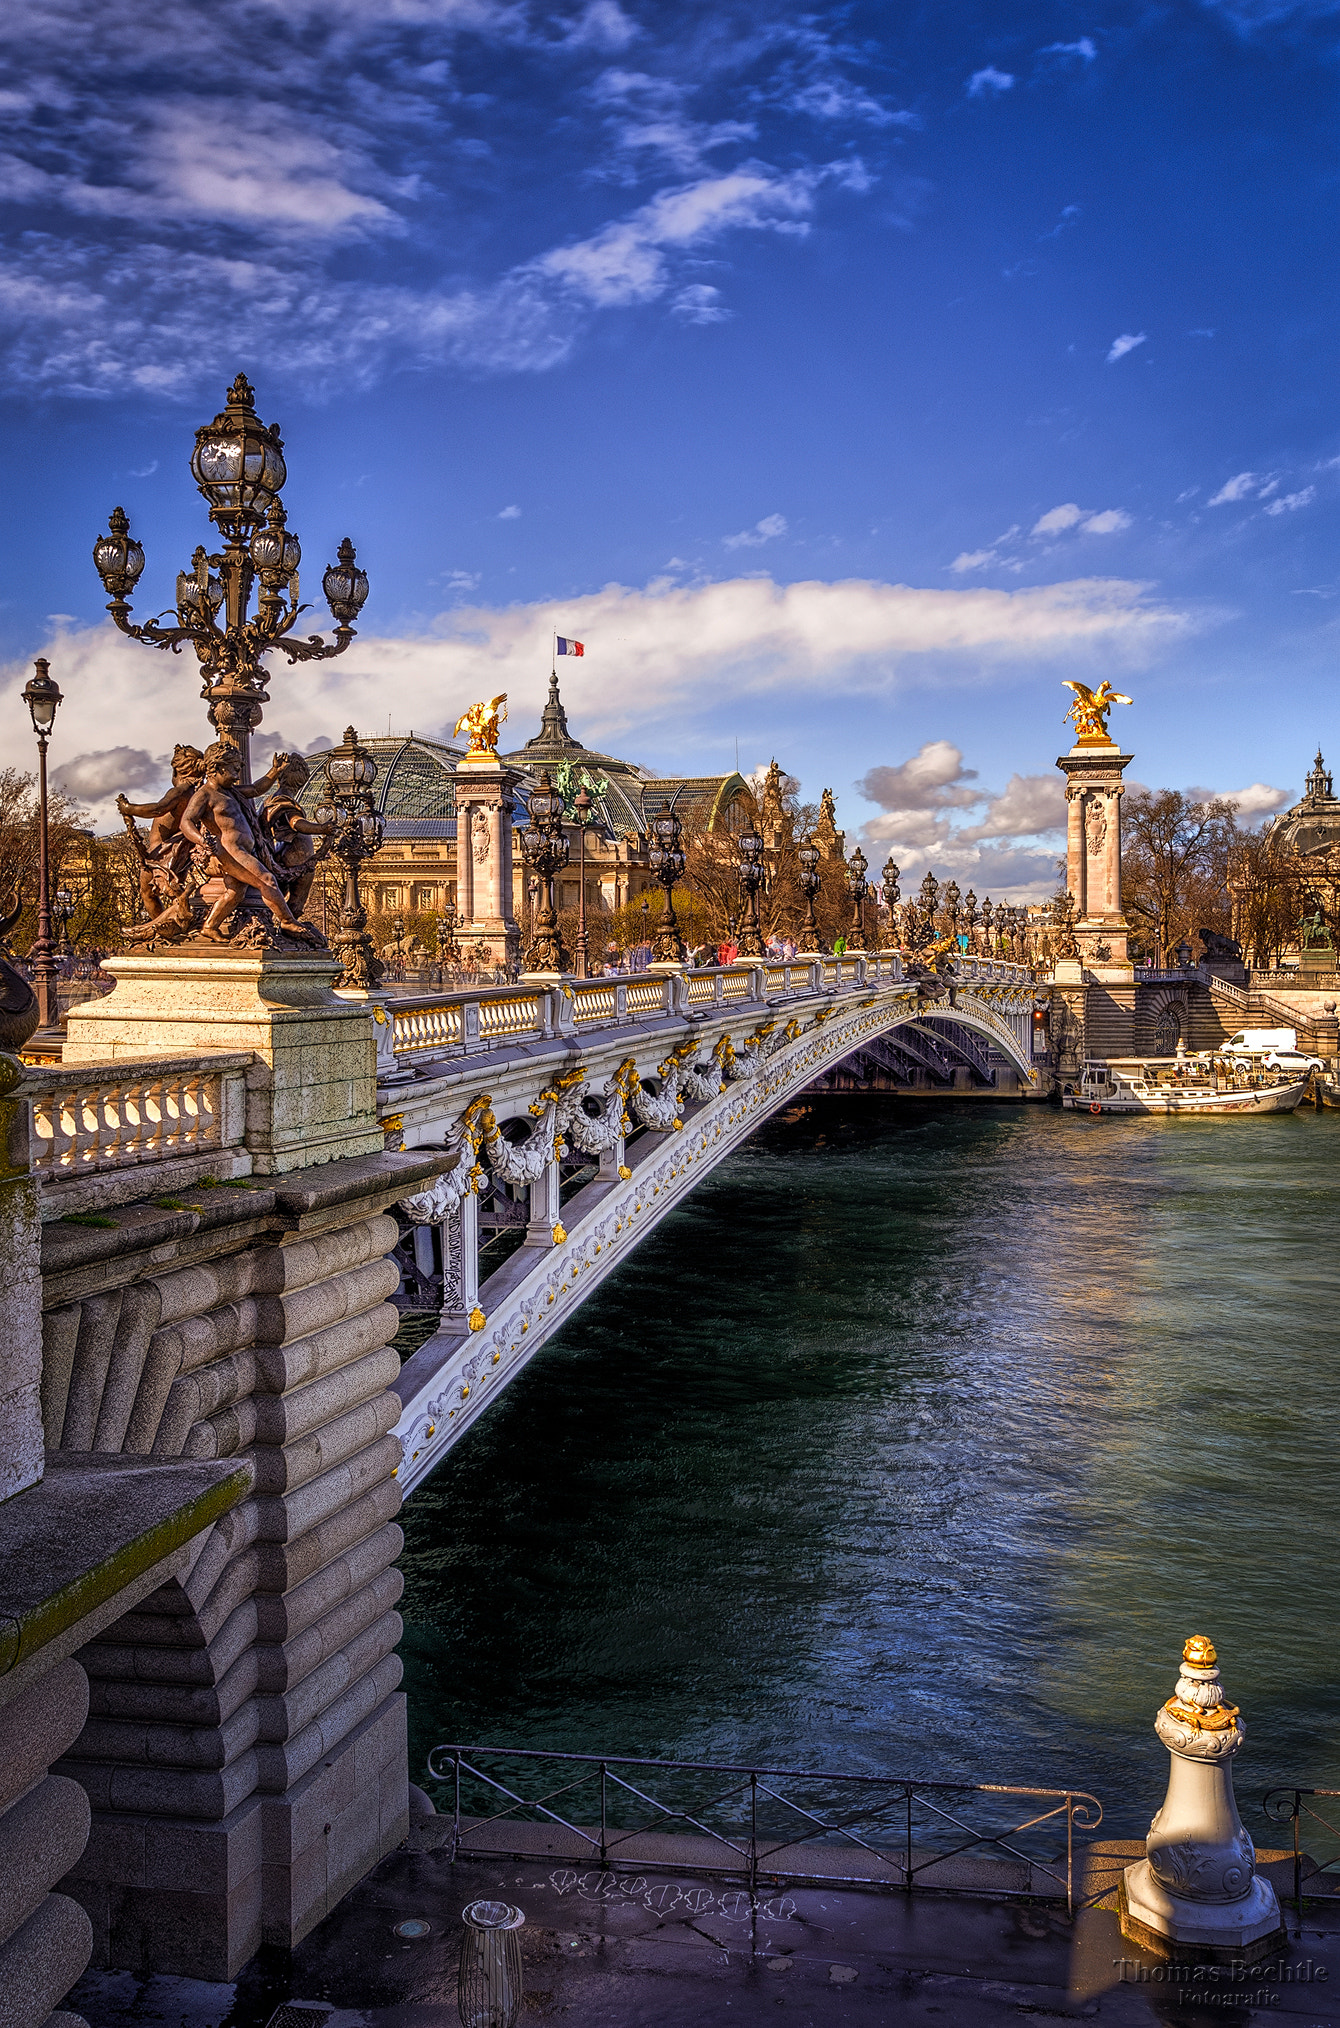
(1090, 711)
(481, 723)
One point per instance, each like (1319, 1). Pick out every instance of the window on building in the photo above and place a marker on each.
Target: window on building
(424, 897)
(388, 897)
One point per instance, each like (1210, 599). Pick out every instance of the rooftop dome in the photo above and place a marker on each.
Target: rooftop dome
(415, 789)
(1313, 825)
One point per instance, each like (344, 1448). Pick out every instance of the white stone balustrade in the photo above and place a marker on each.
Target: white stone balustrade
(83, 1120)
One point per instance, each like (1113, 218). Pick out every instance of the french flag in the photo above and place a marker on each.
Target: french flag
(569, 647)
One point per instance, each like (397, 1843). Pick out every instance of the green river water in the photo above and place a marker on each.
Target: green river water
(916, 1443)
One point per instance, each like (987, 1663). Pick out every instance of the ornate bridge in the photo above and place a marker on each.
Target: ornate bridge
(581, 1113)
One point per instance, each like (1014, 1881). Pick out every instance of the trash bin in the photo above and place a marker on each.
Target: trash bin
(488, 1990)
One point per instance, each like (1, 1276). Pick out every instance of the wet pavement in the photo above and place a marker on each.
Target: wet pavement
(659, 1950)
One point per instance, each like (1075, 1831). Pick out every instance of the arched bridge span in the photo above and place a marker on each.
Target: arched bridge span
(581, 1113)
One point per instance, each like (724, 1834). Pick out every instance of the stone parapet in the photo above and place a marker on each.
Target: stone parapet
(311, 1090)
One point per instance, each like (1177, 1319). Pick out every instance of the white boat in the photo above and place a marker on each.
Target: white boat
(1177, 1085)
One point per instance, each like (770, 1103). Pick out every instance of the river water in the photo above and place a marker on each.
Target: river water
(916, 1443)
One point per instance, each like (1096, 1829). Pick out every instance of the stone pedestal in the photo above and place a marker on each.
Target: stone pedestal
(1196, 1896)
(312, 1095)
(484, 860)
(1093, 769)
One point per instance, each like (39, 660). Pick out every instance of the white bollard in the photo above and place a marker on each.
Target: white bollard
(1195, 1896)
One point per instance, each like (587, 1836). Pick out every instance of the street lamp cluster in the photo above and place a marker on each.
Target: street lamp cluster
(238, 465)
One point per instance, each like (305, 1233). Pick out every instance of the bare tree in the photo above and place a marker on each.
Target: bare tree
(1176, 855)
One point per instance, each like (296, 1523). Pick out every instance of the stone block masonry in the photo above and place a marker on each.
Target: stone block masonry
(244, 1752)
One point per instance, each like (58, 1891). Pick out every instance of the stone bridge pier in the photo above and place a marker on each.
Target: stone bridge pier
(211, 1295)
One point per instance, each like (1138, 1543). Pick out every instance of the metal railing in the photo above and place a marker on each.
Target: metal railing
(1282, 1805)
(757, 1822)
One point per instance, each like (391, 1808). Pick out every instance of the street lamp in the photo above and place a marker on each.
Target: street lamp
(667, 861)
(63, 909)
(889, 877)
(41, 694)
(970, 918)
(546, 851)
(398, 927)
(582, 805)
(859, 887)
(238, 465)
(345, 804)
(1183, 955)
(448, 950)
(752, 875)
(809, 856)
(951, 906)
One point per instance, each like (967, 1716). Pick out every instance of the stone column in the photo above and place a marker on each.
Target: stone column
(1196, 1896)
(1093, 770)
(484, 858)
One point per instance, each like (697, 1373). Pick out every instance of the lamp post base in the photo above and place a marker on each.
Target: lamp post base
(1199, 1932)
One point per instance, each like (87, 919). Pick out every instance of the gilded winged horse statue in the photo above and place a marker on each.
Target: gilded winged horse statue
(1091, 707)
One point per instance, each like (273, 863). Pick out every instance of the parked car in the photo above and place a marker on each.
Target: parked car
(1292, 1062)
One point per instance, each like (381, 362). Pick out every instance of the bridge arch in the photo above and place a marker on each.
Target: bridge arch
(726, 1089)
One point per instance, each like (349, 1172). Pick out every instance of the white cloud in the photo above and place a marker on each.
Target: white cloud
(974, 559)
(699, 303)
(1126, 343)
(934, 779)
(1057, 519)
(1239, 488)
(1029, 805)
(1258, 800)
(601, 25)
(676, 649)
(766, 530)
(1289, 503)
(92, 777)
(989, 80)
(625, 262)
(835, 98)
(509, 514)
(1084, 49)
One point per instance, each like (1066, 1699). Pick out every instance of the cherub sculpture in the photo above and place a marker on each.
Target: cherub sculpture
(481, 721)
(220, 828)
(289, 831)
(166, 856)
(1091, 707)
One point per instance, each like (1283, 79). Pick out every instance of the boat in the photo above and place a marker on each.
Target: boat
(1184, 1085)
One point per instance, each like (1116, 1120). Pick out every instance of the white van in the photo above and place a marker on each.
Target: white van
(1259, 1042)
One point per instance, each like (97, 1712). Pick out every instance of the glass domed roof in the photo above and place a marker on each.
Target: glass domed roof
(416, 779)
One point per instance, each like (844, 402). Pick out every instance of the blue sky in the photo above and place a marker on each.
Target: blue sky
(844, 379)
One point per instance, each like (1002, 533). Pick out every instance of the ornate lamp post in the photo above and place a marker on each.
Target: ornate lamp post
(398, 929)
(447, 947)
(951, 908)
(345, 803)
(63, 910)
(928, 901)
(583, 803)
(988, 924)
(546, 851)
(970, 918)
(889, 877)
(238, 464)
(666, 859)
(42, 694)
(753, 873)
(859, 887)
(809, 856)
